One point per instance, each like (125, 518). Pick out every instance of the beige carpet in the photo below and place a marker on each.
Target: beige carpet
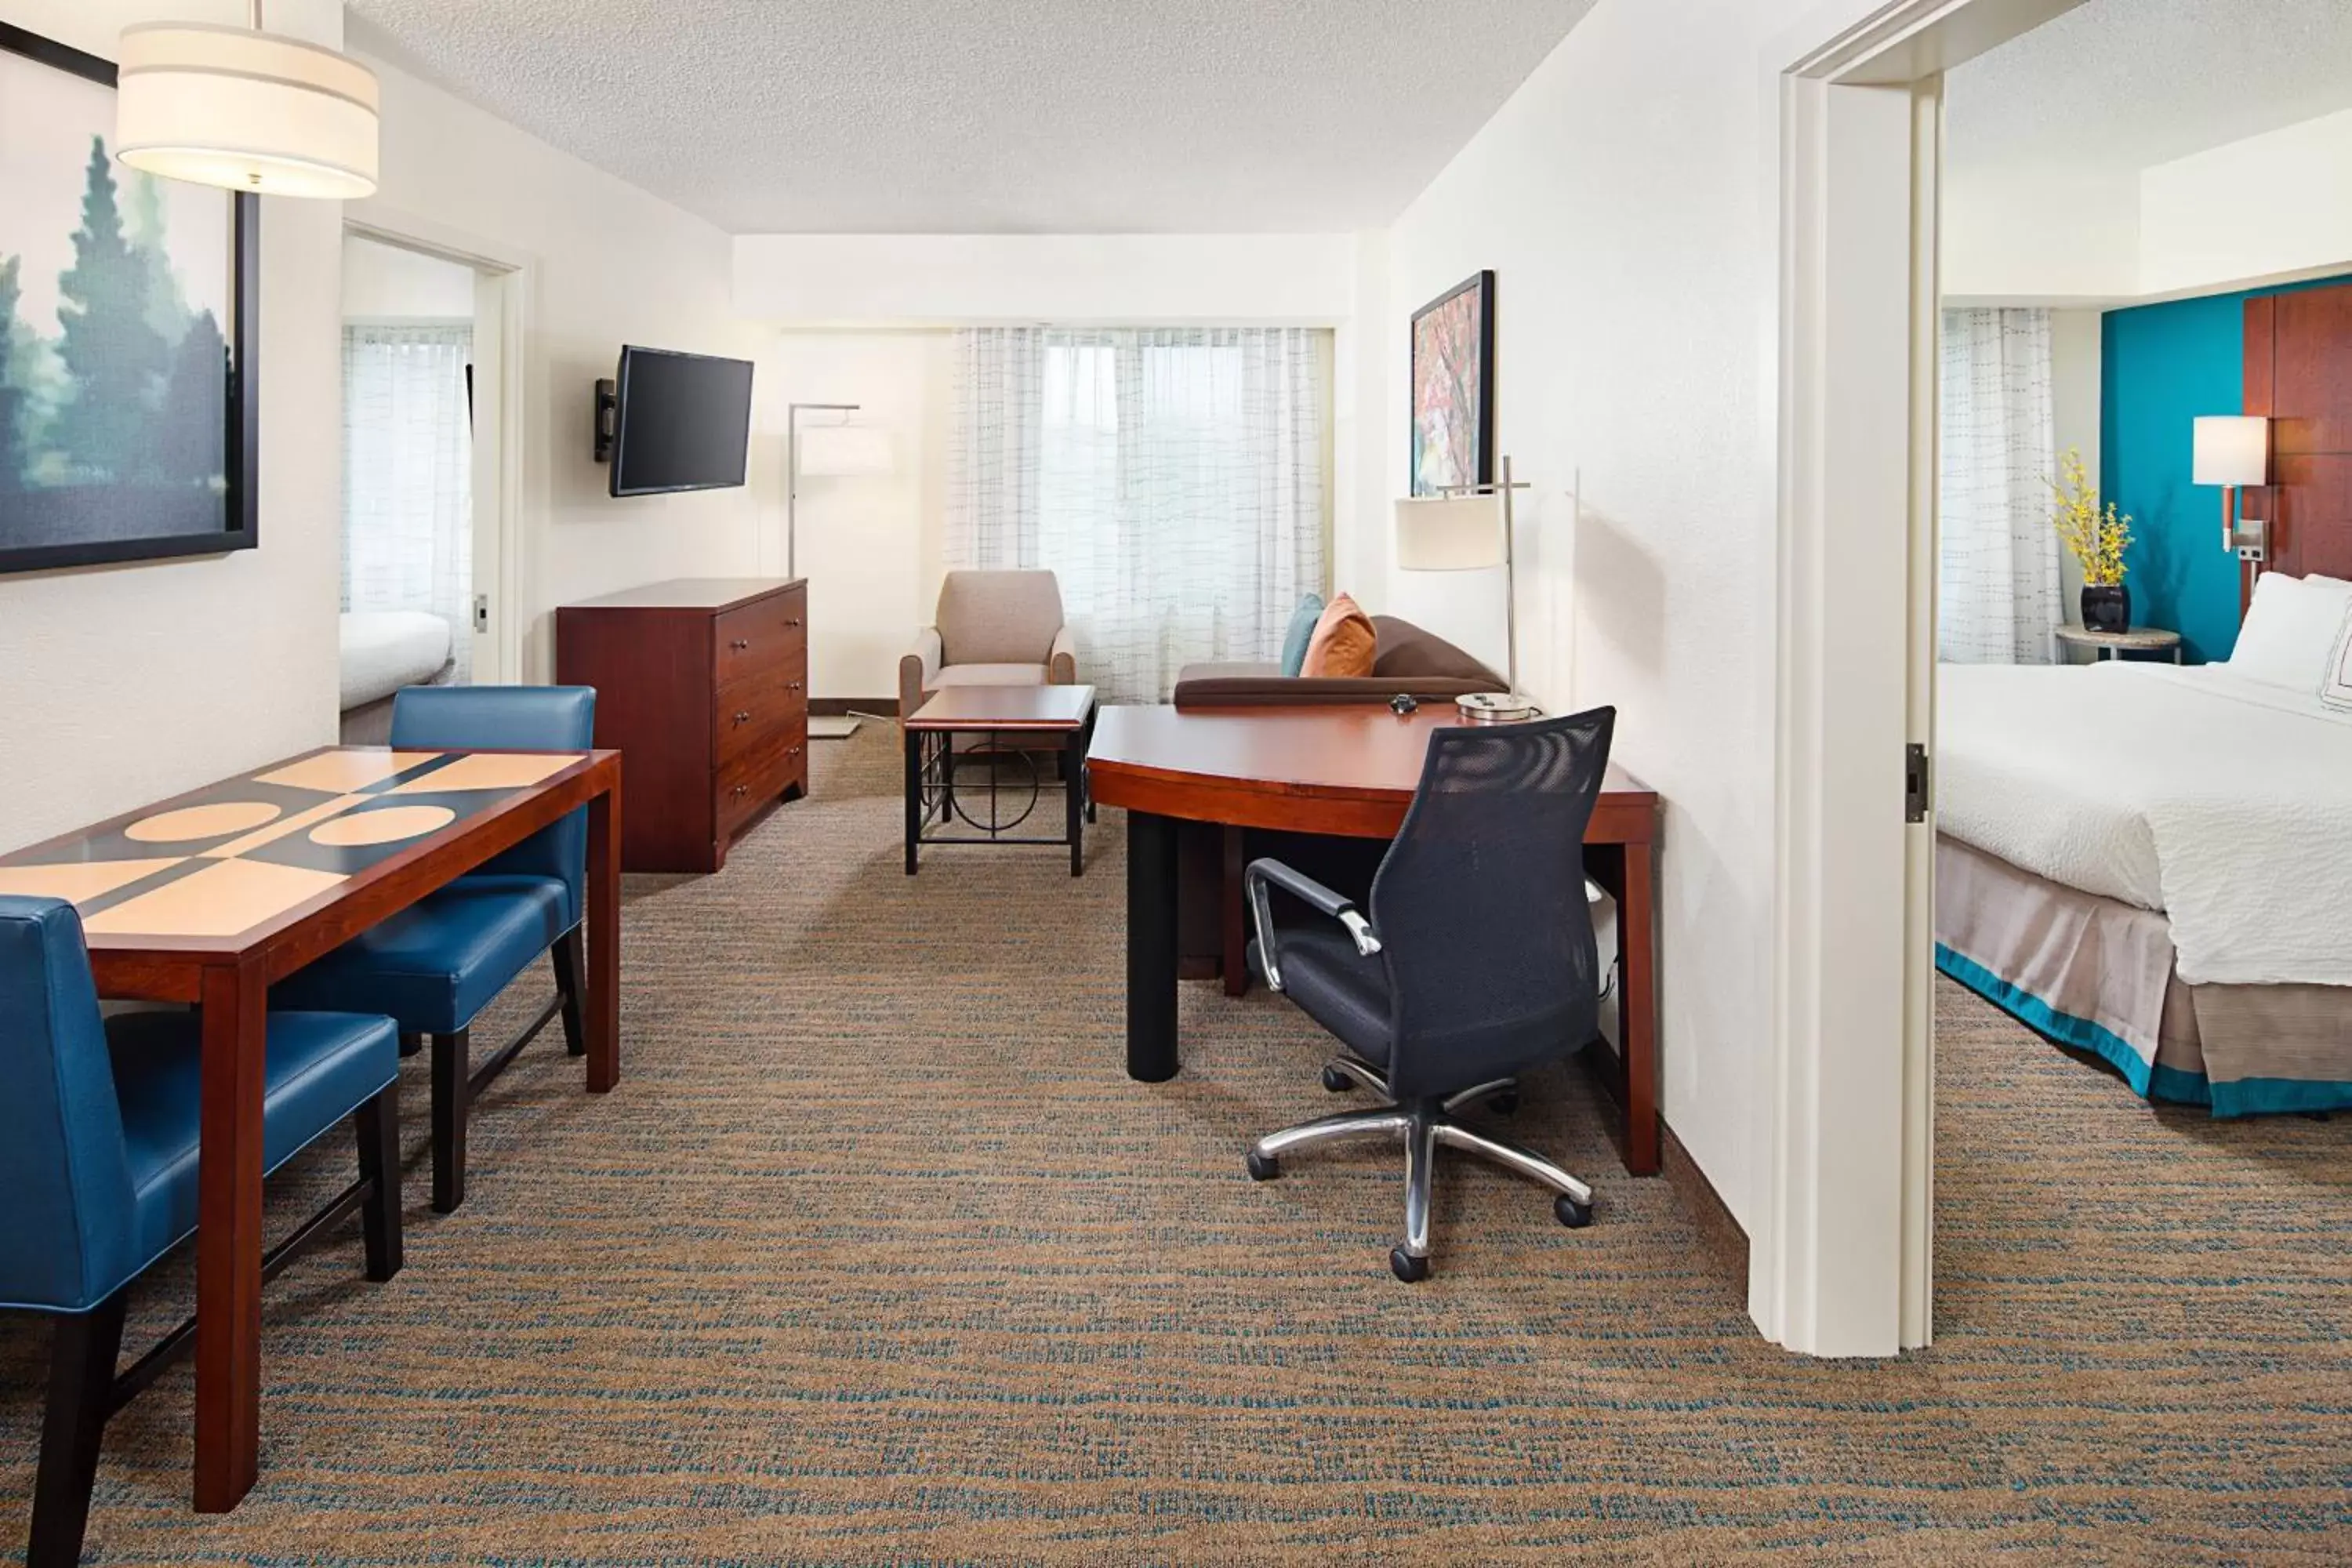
(877, 1256)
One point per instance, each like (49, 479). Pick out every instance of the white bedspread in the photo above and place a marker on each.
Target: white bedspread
(384, 650)
(2222, 802)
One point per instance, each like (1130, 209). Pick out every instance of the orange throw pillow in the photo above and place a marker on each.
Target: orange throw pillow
(1342, 643)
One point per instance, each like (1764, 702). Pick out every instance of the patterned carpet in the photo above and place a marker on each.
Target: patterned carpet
(878, 1257)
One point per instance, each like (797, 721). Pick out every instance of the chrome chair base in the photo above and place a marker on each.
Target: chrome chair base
(1423, 1127)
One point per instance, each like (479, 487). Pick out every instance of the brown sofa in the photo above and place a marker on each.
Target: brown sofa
(1405, 659)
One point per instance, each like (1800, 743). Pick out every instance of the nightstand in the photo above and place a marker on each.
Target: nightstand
(2115, 645)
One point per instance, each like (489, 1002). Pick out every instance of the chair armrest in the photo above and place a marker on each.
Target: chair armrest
(1062, 663)
(1310, 892)
(917, 670)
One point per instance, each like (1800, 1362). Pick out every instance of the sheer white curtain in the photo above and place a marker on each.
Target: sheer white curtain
(409, 475)
(1172, 479)
(1998, 597)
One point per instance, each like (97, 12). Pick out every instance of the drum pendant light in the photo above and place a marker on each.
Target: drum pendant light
(245, 110)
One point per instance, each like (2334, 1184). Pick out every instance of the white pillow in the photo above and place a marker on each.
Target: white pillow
(2291, 631)
(2337, 692)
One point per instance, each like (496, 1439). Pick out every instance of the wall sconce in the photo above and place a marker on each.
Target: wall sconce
(2233, 450)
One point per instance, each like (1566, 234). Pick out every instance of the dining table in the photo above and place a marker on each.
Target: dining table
(210, 897)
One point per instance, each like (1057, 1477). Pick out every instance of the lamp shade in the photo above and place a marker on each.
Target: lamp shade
(2232, 449)
(845, 450)
(1450, 533)
(247, 110)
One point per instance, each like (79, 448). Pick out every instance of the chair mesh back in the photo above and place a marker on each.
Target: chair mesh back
(1481, 908)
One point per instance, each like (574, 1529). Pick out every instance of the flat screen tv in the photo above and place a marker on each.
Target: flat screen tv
(681, 422)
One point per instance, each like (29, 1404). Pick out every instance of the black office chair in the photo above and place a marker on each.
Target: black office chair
(1478, 963)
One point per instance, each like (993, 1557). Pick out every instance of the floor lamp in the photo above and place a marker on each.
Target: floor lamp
(1467, 528)
(837, 450)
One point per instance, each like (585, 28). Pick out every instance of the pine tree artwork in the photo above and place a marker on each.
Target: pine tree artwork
(122, 401)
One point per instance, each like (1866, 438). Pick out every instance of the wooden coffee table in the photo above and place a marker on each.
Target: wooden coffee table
(1018, 723)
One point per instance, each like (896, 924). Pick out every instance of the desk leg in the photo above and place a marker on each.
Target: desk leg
(1638, 1012)
(604, 940)
(1073, 799)
(914, 741)
(1151, 1054)
(1232, 919)
(228, 1235)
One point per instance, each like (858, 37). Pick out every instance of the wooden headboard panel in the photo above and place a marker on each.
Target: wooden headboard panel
(2299, 373)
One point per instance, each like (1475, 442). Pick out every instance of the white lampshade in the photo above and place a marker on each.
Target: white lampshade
(2232, 449)
(1450, 533)
(247, 110)
(840, 450)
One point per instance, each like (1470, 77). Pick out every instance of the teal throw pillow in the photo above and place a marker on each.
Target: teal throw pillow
(1302, 631)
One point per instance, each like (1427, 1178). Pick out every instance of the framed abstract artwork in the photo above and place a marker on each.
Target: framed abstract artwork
(129, 331)
(1454, 388)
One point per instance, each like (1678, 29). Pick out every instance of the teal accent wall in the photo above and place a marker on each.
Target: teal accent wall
(2161, 367)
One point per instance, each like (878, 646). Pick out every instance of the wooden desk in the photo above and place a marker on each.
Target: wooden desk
(1348, 770)
(209, 897)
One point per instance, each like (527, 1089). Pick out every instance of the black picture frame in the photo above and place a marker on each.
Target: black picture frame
(1483, 284)
(241, 445)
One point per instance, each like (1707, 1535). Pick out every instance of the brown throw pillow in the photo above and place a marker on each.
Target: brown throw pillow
(1343, 642)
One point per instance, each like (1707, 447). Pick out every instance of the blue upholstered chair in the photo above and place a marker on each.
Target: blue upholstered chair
(98, 1166)
(437, 963)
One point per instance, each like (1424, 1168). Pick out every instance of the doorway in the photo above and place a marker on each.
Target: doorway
(1843, 1264)
(427, 519)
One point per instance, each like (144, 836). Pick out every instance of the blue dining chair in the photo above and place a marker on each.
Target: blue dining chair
(436, 964)
(99, 1122)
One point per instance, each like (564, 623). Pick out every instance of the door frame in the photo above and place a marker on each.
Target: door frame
(1841, 1263)
(505, 286)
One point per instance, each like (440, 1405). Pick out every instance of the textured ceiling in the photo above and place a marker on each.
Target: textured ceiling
(2124, 84)
(992, 116)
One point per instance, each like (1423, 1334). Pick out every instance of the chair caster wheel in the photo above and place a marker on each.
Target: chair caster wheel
(1263, 1167)
(1406, 1267)
(1571, 1213)
(1505, 1103)
(1337, 1081)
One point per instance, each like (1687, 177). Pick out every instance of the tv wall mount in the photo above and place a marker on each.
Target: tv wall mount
(608, 407)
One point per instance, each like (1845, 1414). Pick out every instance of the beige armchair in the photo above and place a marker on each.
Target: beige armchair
(991, 628)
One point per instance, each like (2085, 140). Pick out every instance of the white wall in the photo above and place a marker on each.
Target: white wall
(386, 283)
(1626, 197)
(870, 546)
(2260, 210)
(122, 684)
(2264, 208)
(950, 279)
(2075, 352)
(873, 311)
(2043, 232)
(606, 264)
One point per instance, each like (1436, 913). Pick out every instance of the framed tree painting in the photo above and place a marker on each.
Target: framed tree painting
(129, 331)
(1454, 388)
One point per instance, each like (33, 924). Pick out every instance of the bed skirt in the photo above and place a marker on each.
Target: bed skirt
(2099, 976)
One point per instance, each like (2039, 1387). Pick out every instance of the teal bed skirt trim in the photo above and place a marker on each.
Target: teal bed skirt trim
(2244, 1097)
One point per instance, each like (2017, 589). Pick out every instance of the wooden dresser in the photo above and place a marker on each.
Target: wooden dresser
(702, 685)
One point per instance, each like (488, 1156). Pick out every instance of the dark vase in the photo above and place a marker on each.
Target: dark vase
(2106, 608)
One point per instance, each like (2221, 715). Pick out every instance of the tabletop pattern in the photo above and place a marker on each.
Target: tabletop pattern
(243, 851)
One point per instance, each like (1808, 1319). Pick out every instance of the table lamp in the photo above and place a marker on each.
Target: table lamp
(1469, 528)
(2232, 450)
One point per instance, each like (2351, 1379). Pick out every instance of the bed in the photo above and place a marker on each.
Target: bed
(382, 651)
(2154, 864)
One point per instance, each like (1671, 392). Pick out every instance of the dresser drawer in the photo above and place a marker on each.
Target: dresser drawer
(761, 637)
(750, 783)
(756, 709)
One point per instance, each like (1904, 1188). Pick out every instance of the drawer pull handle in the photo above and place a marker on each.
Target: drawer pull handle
(795, 751)
(744, 717)
(740, 790)
(740, 644)
(792, 686)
